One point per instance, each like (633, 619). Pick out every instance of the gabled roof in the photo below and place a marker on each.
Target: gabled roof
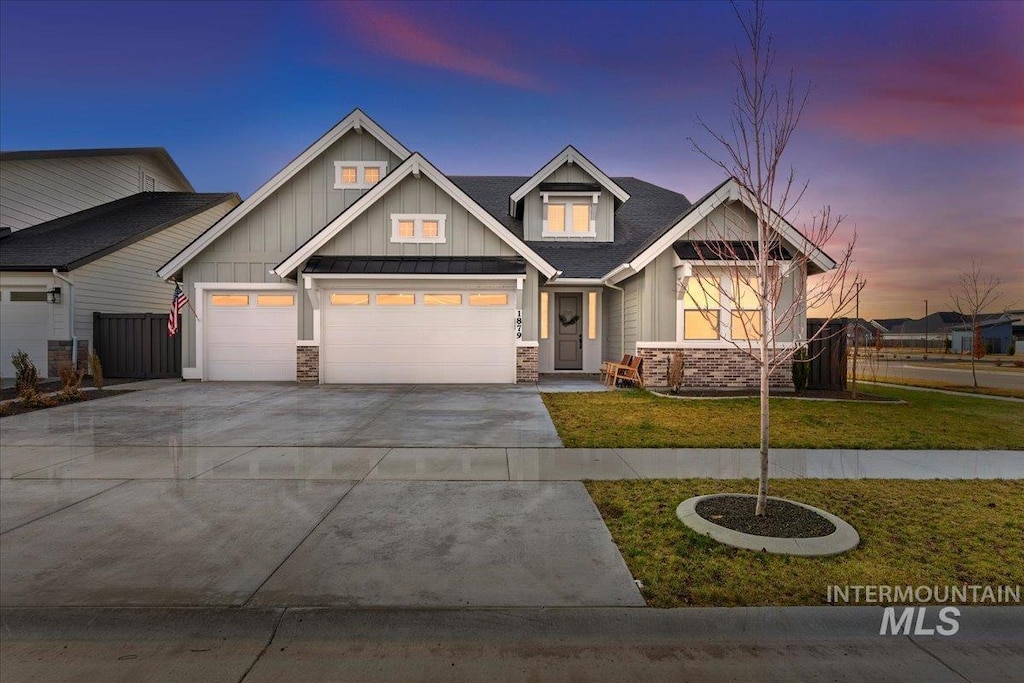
(985, 321)
(649, 213)
(415, 164)
(729, 190)
(357, 120)
(74, 240)
(158, 152)
(568, 155)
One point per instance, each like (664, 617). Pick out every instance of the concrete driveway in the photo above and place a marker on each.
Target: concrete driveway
(286, 414)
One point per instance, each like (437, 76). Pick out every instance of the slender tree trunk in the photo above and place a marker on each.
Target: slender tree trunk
(762, 484)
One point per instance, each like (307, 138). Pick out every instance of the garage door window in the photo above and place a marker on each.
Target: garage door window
(442, 299)
(28, 296)
(275, 300)
(350, 299)
(230, 299)
(488, 299)
(396, 299)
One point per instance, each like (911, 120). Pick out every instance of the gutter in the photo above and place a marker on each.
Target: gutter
(71, 317)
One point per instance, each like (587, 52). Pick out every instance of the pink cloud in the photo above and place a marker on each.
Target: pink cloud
(972, 96)
(387, 30)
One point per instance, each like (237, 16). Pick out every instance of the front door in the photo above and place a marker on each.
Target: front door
(569, 332)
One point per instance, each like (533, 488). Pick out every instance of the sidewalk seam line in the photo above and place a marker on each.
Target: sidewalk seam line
(69, 505)
(270, 640)
(934, 656)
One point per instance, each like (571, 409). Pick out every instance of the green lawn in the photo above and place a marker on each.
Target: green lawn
(912, 533)
(936, 384)
(637, 419)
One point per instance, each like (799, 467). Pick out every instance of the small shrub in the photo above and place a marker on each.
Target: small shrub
(26, 375)
(801, 369)
(1013, 348)
(96, 369)
(675, 371)
(72, 381)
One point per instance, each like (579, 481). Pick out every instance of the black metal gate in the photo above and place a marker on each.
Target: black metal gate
(136, 345)
(827, 354)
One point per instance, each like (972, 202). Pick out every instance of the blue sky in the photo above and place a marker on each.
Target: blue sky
(915, 129)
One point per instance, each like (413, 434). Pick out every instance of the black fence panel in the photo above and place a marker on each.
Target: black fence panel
(828, 355)
(136, 345)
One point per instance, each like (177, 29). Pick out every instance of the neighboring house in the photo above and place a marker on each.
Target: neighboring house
(361, 262)
(996, 335)
(101, 259)
(867, 333)
(38, 186)
(937, 326)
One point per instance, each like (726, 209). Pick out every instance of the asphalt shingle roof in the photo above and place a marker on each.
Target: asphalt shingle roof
(638, 223)
(74, 240)
(416, 265)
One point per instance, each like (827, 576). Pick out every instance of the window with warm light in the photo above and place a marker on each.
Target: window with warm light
(746, 313)
(701, 314)
(543, 315)
(350, 299)
(442, 299)
(358, 175)
(230, 299)
(592, 315)
(396, 299)
(418, 227)
(274, 300)
(569, 216)
(488, 299)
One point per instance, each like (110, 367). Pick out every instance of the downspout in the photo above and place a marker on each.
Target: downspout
(71, 316)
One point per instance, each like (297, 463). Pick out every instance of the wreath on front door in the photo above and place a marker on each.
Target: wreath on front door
(567, 322)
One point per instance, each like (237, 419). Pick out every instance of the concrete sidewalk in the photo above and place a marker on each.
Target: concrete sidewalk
(713, 644)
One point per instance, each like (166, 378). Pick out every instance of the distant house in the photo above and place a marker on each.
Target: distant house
(39, 185)
(937, 327)
(996, 335)
(98, 260)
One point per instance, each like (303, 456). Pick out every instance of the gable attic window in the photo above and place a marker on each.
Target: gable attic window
(418, 227)
(358, 175)
(571, 214)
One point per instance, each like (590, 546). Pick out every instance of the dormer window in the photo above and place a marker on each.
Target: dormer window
(358, 175)
(570, 215)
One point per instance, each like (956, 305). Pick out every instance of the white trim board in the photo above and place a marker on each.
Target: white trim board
(357, 120)
(568, 155)
(415, 164)
(728, 191)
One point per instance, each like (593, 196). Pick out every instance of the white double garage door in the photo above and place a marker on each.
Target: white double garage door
(440, 335)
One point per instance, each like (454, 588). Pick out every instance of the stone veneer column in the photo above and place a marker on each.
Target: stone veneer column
(527, 363)
(307, 363)
(58, 352)
(725, 368)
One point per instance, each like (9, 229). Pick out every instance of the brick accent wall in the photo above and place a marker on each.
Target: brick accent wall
(527, 363)
(307, 363)
(711, 369)
(58, 352)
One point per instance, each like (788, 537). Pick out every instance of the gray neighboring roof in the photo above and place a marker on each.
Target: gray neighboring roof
(158, 152)
(72, 241)
(650, 211)
(983, 323)
(415, 265)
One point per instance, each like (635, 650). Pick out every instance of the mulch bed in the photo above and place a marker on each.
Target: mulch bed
(807, 393)
(781, 519)
(19, 408)
(48, 385)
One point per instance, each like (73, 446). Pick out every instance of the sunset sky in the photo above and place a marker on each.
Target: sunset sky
(914, 131)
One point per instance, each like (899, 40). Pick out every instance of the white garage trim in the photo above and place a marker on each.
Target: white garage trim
(199, 303)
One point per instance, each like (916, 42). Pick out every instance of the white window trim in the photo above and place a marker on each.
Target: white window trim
(725, 310)
(569, 199)
(360, 167)
(418, 219)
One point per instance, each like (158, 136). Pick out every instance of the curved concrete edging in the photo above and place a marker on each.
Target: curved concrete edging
(791, 397)
(844, 538)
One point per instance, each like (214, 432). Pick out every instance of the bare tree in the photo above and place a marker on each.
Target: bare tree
(762, 270)
(974, 292)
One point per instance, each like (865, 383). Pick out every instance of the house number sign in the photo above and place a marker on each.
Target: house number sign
(519, 325)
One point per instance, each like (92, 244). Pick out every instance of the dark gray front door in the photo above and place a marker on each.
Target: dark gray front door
(568, 331)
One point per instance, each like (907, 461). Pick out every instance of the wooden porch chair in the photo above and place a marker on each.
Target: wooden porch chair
(608, 368)
(633, 372)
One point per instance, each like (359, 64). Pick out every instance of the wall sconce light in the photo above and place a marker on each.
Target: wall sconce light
(53, 295)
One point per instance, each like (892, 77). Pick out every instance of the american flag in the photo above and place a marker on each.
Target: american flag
(178, 302)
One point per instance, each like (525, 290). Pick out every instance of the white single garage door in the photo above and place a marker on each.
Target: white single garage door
(250, 335)
(436, 336)
(24, 324)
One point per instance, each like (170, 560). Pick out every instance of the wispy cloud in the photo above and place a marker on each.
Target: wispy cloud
(390, 30)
